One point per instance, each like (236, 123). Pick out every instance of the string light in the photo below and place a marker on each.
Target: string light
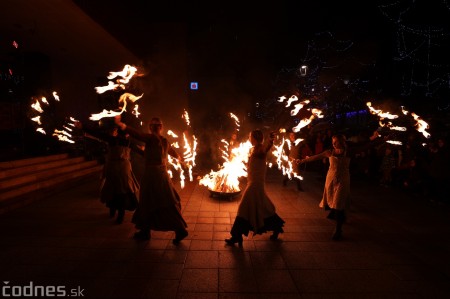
(415, 46)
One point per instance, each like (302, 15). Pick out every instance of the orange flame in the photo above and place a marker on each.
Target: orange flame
(55, 95)
(189, 154)
(380, 113)
(186, 117)
(285, 164)
(421, 125)
(236, 120)
(37, 106)
(126, 74)
(292, 99)
(226, 179)
(306, 121)
(110, 113)
(37, 119)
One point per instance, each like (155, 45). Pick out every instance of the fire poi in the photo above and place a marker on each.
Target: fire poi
(65, 132)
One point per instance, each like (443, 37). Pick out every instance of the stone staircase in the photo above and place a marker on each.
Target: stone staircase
(22, 181)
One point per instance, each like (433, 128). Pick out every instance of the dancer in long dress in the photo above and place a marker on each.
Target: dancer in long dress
(336, 193)
(159, 205)
(256, 211)
(120, 189)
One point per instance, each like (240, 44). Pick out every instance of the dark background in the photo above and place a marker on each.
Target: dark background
(244, 55)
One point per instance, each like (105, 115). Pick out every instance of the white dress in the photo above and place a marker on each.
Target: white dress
(336, 193)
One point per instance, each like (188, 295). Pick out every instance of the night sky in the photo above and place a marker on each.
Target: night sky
(248, 53)
(237, 50)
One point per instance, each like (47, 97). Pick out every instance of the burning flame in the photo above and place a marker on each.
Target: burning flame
(55, 95)
(186, 117)
(292, 99)
(37, 119)
(189, 155)
(236, 121)
(37, 106)
(40, 130)
(136, 111)
(421, 125)
(111, 86)
(171, 133)
(105, 113)
(126, 74)
(391, 126)
(306, 121)
(394, 142)
(64, 135)
(110, 113)
(283, 162)
(380, 113)
(298, 107)
(226, 179)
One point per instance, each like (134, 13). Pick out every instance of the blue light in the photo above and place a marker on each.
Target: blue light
(194, 85)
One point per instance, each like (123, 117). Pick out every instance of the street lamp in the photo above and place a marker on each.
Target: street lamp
(303, 70)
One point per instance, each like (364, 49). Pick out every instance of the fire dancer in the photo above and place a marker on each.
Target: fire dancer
(120, 189)
(256, 211)
(159, 205)
(336, 195)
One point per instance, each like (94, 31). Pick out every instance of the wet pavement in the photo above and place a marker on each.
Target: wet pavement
(395, 245)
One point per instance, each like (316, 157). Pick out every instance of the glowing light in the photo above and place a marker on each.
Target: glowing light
(236, 121)
(380, 113)
(171, 133)
(226, 179)
(55, 95)
(292, 99)
(40, 130)
(136, 111)
(37, 106)
(298, 107)
(37, 119)
(306, 121)
(186, 117)
(127, 73)
(110, 113)
(303, 70)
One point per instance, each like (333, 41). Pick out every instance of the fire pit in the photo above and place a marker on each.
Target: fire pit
(223, 195)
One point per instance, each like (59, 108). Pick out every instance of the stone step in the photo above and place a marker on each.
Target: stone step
(30, 161)
(27, 198)
(23, 181)
(52, 169)
(36, 168)
(49, 182)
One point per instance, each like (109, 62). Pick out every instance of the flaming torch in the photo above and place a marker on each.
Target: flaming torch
(123, 77)
(189, 155)
(282, 159)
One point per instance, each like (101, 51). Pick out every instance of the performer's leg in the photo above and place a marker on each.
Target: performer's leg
(340, 218)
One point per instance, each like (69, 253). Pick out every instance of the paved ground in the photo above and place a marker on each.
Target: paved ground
(395, 246)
